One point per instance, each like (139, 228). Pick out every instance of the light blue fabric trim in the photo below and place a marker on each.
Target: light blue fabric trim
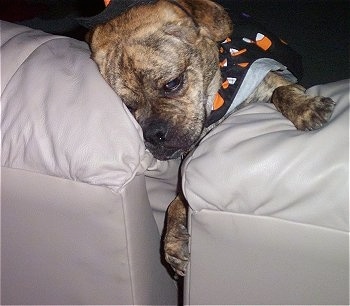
(256, 73)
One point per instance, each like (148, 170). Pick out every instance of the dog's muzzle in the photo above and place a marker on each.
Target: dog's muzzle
(165, 141)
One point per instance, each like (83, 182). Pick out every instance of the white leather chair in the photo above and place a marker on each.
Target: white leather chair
(269, 217)
(77, 225)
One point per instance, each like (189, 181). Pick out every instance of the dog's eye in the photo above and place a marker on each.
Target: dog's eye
(173, 85)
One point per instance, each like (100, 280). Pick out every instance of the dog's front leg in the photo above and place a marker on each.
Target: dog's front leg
(306, 112)
(176, 237)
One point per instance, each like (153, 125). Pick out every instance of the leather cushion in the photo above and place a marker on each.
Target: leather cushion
(257, 163)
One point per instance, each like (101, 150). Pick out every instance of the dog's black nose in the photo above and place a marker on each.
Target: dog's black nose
(155, 132)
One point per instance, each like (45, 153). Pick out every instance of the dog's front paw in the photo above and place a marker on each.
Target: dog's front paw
(176, 249)
(314, 113)
(306, 112)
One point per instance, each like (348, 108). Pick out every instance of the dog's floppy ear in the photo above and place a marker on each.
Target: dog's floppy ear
(99, 39)
(212, 18)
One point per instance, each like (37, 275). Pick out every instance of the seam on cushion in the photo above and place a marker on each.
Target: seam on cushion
(214, 208)
(3, 43)
(137, 170)
(113, 188)
(29, 55)
(134, 173)
(139, 167)
(252, 215)
(272, 217)
(122, 194)
(186, 185)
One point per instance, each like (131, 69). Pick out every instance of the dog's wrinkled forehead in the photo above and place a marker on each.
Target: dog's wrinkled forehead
(168, 54)
(149, 65)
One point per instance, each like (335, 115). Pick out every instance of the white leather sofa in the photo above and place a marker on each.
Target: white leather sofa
(77, 225)
(269, 218)
(81, 198)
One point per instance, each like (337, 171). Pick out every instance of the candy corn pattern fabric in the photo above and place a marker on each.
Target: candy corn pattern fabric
(251, 51)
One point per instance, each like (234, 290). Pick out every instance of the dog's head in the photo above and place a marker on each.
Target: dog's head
(162, 60)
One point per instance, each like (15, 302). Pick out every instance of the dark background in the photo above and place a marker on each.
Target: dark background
(317, 29)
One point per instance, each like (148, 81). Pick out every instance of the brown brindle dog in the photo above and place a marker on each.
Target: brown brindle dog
(162, 59)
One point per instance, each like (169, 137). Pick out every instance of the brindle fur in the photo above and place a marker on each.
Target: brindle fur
(145, 48)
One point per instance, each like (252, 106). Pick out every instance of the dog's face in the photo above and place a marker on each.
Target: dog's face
(162, 60)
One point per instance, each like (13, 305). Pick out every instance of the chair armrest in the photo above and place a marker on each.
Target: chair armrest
(257, 163)
(59, 116)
